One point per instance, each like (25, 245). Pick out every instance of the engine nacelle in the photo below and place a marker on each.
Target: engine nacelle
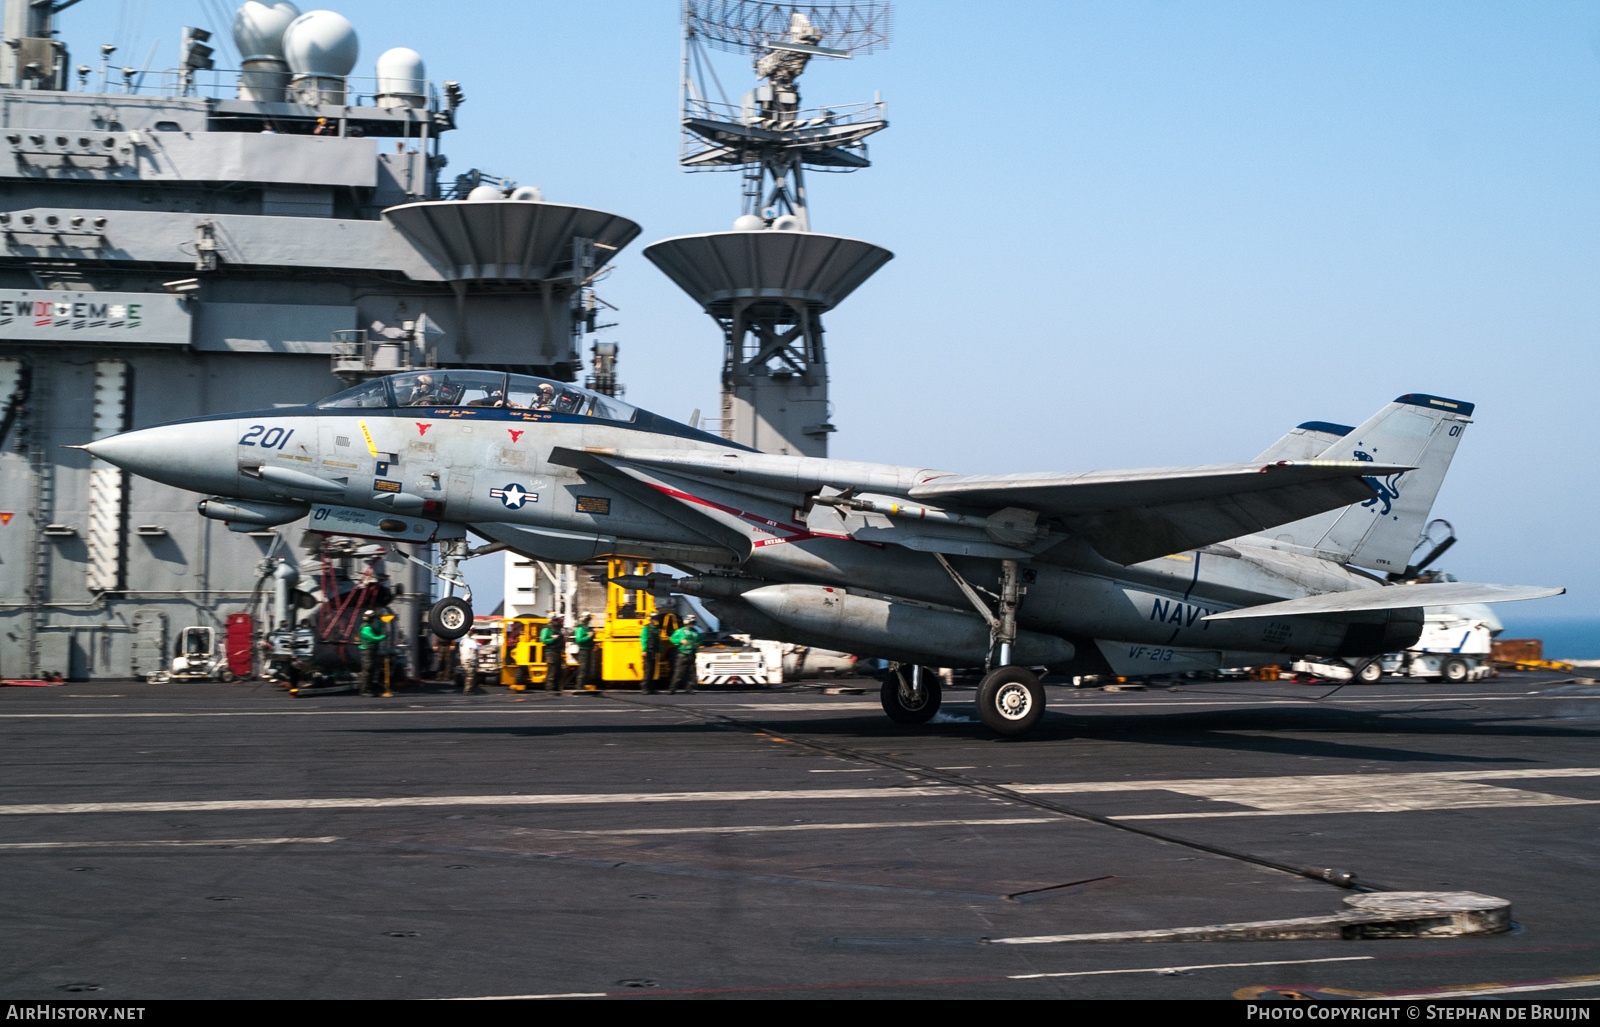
(254, 512)
(1398, 631)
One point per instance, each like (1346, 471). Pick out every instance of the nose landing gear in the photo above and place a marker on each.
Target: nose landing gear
(451, 617)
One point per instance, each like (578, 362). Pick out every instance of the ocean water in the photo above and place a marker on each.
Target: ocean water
(1565, 638)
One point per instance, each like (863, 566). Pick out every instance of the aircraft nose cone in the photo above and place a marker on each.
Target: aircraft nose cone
(188, 456)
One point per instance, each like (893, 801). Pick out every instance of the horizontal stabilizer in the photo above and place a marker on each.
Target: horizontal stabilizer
(1394, 597)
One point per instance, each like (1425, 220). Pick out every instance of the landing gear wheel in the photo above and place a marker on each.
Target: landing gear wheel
(1454, 670)
(907, 705)
(1371, 672)
(1011, 701)
(450, 618)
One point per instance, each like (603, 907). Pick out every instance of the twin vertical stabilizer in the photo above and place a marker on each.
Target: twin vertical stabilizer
(1415, 430)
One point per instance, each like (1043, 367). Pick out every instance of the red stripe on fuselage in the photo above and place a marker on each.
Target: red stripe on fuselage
(796, 533)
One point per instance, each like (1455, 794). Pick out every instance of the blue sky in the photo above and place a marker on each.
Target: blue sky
(1130, 233)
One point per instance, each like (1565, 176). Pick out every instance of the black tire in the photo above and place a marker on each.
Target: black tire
(1371, 672)
(1011, 701)
(905, 706)
(1454, 670)
(450, 618)
(225, 675)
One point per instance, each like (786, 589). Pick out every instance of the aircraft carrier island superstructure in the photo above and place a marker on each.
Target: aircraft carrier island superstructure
(194, 241)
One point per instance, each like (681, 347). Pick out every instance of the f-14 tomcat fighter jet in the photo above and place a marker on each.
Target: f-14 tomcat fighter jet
(1163, 570)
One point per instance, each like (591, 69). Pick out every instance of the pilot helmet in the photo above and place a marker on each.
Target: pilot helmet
(368, 614)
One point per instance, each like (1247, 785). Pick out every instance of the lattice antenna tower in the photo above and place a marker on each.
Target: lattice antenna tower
(768, 135)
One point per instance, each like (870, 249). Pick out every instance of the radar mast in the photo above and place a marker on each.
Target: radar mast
(768, 281)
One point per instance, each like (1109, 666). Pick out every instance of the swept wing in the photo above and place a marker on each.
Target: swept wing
(1130, 516)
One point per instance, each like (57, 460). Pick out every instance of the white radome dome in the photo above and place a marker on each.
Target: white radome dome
(321, 43)
(748, 223)
(400, 72)
(258, 28)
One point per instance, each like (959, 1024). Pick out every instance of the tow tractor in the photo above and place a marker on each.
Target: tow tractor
(741, 660)
(1455, 641)
(1453, 648)
(628, 610)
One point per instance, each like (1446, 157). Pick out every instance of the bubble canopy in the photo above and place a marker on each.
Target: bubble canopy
(488, 389)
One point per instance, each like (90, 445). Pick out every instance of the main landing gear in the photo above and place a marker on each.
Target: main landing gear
(1010, 698)
(911, 695)
(1011, 701)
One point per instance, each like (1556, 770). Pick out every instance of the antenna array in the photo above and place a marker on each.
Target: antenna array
(746, 26)
(768, 282)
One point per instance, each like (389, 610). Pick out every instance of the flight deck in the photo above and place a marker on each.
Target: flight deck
(201, 840)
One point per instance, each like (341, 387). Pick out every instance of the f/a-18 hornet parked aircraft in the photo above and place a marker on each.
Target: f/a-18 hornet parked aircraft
(1169, 569)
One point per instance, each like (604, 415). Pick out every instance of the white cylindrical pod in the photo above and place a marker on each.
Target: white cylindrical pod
(251, 511)
(402, 78)
(864, 624)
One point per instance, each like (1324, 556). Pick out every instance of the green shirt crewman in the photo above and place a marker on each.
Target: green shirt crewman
(686, 640)
(368, 639)
(583, 634)
(554, 642)
(649, 652)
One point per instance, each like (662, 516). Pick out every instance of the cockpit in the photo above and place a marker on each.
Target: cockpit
(519, 393)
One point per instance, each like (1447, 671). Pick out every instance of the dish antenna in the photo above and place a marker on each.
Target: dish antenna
(768, 135)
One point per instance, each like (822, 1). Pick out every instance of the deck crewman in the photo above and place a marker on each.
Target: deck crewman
(554, 641)
(649, 652)
(371, 635)
(470, 649)
(583, 635)
(686, 640)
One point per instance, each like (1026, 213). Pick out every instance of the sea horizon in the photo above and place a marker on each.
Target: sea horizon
(1565, 638)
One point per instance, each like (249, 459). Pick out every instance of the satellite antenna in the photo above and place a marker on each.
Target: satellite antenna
(768, 281)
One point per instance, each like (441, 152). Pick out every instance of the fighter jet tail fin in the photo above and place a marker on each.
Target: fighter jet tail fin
(1381, 532)
(1306, 442)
